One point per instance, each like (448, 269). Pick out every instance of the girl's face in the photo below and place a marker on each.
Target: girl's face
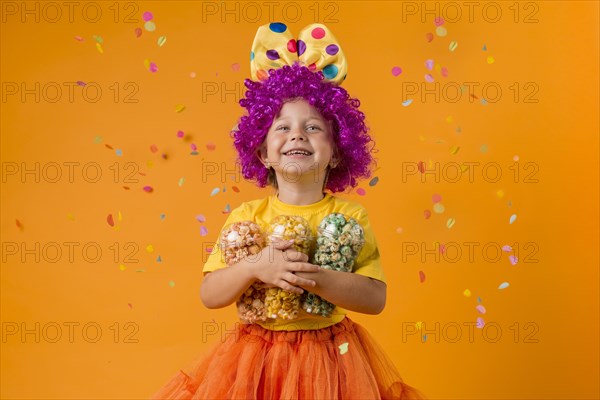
(298, 126)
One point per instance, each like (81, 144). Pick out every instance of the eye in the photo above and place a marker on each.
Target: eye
(281, 127)
(315, 127)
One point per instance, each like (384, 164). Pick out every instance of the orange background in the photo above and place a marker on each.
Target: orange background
(555, 196)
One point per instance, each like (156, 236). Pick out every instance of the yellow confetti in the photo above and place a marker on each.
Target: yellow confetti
(464, 168)
(147, 63)
(449, 119)
(122, 267)
(437, 67)
(467, 293)
(179, 108)
(99, 47)
(343, 348)
(119, 216)
(421, 138)
(500, 193)
(490, 60)
(418, 324)
(71, 217)
(450, 223)
(453, 45)
(454, 149)
(149, 248)
(149, 164)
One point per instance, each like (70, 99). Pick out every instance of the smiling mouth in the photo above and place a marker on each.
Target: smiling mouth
(297, 153)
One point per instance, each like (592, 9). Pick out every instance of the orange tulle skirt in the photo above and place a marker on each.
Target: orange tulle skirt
(257, 363)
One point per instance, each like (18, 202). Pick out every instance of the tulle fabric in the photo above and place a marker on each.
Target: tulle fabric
(257, 363)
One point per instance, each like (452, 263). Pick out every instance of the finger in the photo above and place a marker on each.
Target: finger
(286, 286)
(305, 267)
(305, 282)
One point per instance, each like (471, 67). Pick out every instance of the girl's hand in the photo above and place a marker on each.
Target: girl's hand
(276, 266)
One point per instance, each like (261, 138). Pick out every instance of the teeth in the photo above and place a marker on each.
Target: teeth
(289, 153)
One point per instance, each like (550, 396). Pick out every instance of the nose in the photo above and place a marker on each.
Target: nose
(297, 134)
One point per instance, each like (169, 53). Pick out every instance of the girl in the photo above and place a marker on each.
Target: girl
(302, 134)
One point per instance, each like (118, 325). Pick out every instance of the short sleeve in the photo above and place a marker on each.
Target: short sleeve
(215, 260)
(368, 262)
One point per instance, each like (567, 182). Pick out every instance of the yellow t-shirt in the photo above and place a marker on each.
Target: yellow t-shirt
(262, 211)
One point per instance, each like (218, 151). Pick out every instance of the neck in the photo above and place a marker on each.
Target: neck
(299, 197)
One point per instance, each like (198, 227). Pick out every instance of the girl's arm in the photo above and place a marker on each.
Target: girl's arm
(353, 292)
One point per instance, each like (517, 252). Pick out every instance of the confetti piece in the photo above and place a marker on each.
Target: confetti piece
(450, 223)
(150, 26)
(215, 191)
(507, 248)
(429, 64)
(153, 67)
(479, 299)
(481, 309)
(147, 63)
(503, 285)
(172, 283)
(99, 47)
(149, 248)
(119, 152)
(441, 31)
(179, 108)
(140, 270)
(70, 217)
(438, 208)
(360, 192)
(467, 293)
(235, 189)
(396, 71)
(483, 148)
(438, 21)
(490, 60)
(19, 224)
(203, 231)
(180, 134)
(399, 230)
(429, 78)
(421, 166)
(126, 187)
(227, 209)
(480, 322)
(98, 39)
(130, 305)
(147, 16)
(193, 146)
(421, 276)
(110, 221)
(484, 47)
(429, 37)
(515, 158)
(200, 218)
(512, 218)
(444, 72)
(97, 139)
(162, 216)
(343, 348)
(424, 338)
(427, 214)
(119, 216)
(454, 149)
(436, 198)
(500, 193)
(209, 249)
(161, 41)
(122, 267)
(453, 45)
(148, 189)
(235, 67)
(192, 75)
(78, 38)
(153, 148)
(407, 102)
(210, 146)
(80, 83)
(159, 259)
(138, 32)
(374, 181)
(513, 259)
(181, 181)
(149, 164)
(419, 324)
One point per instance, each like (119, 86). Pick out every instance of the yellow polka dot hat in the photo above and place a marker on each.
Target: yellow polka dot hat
(316, 48)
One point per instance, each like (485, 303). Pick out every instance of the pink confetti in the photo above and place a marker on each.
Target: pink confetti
(396, 71)
(360, 192)
(110, 220)
(438, 21)
(436, 198)
(506, 248)
(442, 248)
(429, 78)
(427, 214)
(429, 37)
(480, 308)
(513, 259)
(81, 83)
(444, 72)
(210, 146)
(147, 16)
(153, 67)
(201, 218)
(138, 32)
(480, 322)
(421, 276)
(148, 189)
(235, 67)
(78, 38)
(193, 146)
(180, 134)
(429, 64)
(153, 148)
(203, 231)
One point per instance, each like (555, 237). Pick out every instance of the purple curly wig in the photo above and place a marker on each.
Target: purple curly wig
(264, 100)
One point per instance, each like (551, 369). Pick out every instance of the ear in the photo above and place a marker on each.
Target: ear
(261, 153)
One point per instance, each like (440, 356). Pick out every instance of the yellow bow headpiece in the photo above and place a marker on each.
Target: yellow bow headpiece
(316, 48)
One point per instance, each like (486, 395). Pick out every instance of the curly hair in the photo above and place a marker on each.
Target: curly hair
(264, 100)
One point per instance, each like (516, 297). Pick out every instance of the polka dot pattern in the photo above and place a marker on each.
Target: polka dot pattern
(315, 47)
